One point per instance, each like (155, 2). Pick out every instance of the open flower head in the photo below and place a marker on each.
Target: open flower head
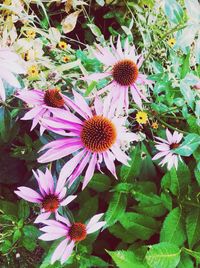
(72, 233)
(166, 149)
(95, 136)
(10, 64)
(50, 197)
(122, 67)
(43, 102)
(171, 42)
(141, 117)
(62, 45)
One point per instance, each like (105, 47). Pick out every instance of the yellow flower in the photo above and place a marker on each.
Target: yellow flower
(141, 117)
(66, 58)
(62, 45)
(33, 71)
(30, 34)
(171, 42)
(154, 125)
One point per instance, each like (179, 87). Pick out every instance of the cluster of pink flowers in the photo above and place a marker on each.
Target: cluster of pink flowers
(92, 134)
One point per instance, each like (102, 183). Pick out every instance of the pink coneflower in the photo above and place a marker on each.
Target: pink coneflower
(43, 102)
(73, 232)
(96, 135)
(50, 196)
(166, 148)
(122, 66)
(10, 64)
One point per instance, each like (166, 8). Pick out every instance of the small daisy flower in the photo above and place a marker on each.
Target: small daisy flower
(33, 71)
(94, 135)
(50, 197)
(141, 117)
(42, 102)
(66, 58)
(30, 33)
(72, 233)
(171, 42)
(122, 66)
(166, 148)
(10, 64)
(154, 125)
(62, 45)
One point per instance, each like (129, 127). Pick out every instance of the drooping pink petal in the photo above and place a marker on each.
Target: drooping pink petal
(59, 250)
(136, 97)
(2, 91)
(27, 198)
(32, 113)
(63, 219)
(90, 170)
(96, 76)
(98, 106)
(67, 253)
(42, 217)
(109, 164)
(119, 154)
(67, 169)
(30, 192)
(159, 155)
(10, 78)
(80, 101)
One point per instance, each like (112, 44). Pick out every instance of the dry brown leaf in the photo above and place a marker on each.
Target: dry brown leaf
(69, 23)
(68, 5)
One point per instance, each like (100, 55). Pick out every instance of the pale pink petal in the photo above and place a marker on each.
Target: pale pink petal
(32, 113)
(10, 78)
(140, 61)
(62, 193)
(55, 223)
(49, 237)
(42, 217)
(96, 227)
(68, 200)
(68, 251)
(163, 147)
(98, 106)
(109, 164)
(27, 198)
(120, 155)
(54, 230)
(67, 169)
(59, 250)
(169, 136)
(94, 220)
(119, 48)
(159, 155)
(63, 219)
(80, 101)
(90, 170)
(2, 91)
(136, 97)
(30, 192)
(96, 76)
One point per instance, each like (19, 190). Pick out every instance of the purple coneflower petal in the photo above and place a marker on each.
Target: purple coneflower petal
(83, 104)
(42, 217)
(2, 90)
(10, 78)
(98, 106)
(27, 198)
(53, 230)
(62, 193)
(90, 170)
(96, 227)
(94, 220)
(64, 220)
(68, 200)
(49, 237)
(67, 252)
(29, 192)
(59, 250)
(109, 164)
(120, 155)
(136, 97)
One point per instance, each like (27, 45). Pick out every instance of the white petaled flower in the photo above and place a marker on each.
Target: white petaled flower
(122, 67)
(72, 233)
(10, 64)
(166, 149)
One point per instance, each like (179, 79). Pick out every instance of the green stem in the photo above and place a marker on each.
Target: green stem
(175, 29)
(171, 127)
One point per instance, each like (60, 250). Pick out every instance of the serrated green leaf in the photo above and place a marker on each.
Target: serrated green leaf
(192, 253)
(185, 262)
(142, 226)
(126, 259)
(163, 255)
(173, 11)
(23, 209)
(116, 208)
(190, 144)
(173, 230)
(17, 234)
(193, 226)
(100, 182)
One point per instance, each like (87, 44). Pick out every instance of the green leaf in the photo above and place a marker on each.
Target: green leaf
(193, 226)
(142, 226)
(133, 171)
(29, 243)
(92, 261)
(163, 255)
(87, 209)
(8, 208)
(177, 180)
(23, 209)
(123, 234)
(185, 262)
(192, 253)
(190, 144)
(90, 88)
(185, 68)
(95, 30)
(173, 228)
(17, 234)
(116, 208)
(126, 259)
(5, 247)
(99, 182)
(173, 11)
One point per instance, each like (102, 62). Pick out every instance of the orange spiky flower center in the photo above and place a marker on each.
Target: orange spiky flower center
(77, 231)
(53, 98)
(98, 134)
(125, 72)
(50, 203)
